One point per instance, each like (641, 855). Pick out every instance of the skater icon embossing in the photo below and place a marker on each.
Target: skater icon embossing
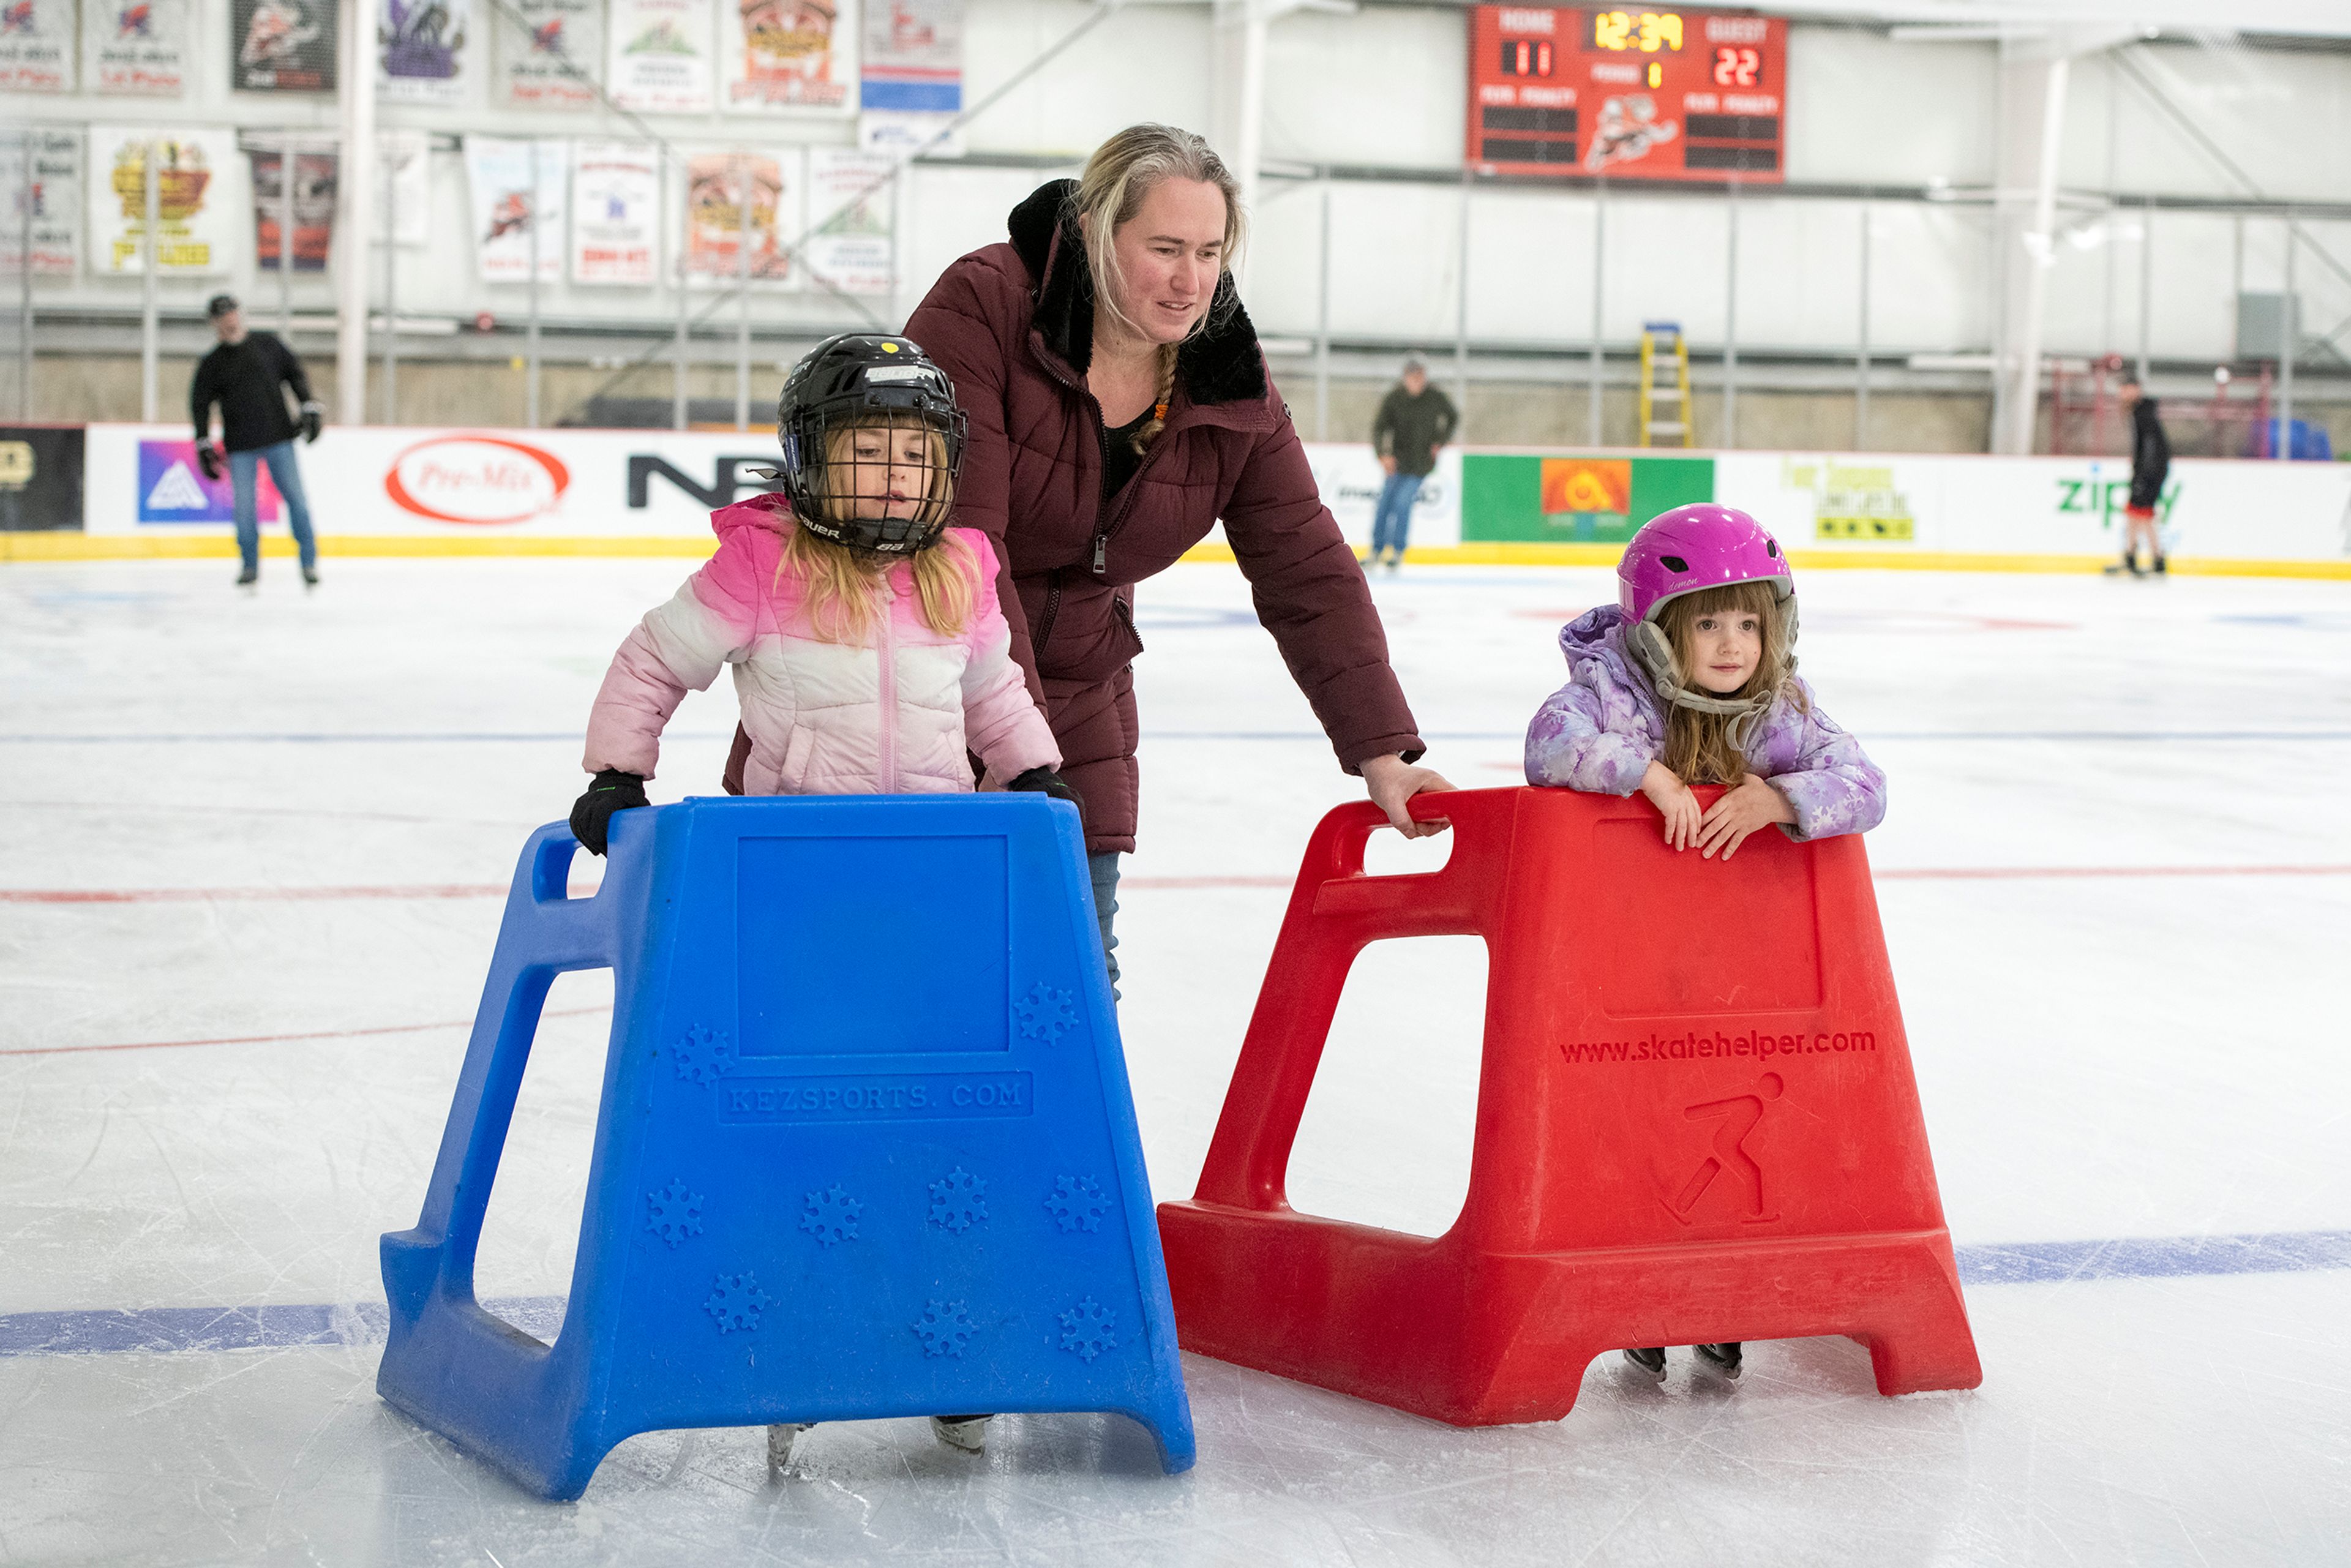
(1733, 1120)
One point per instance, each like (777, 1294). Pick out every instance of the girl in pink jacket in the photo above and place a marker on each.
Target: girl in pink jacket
(869, 651)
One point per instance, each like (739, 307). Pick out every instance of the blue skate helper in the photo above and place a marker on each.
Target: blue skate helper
(867, 1147)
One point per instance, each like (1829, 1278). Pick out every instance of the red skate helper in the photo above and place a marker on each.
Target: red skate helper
(1677, 1143)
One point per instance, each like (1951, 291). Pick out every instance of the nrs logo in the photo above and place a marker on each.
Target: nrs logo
(482, 480)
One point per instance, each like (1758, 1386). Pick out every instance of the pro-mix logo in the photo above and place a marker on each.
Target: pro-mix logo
(484, 480)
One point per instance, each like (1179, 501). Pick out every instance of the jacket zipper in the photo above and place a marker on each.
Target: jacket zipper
(889, 694)
(1104, 531)
(1052, 609)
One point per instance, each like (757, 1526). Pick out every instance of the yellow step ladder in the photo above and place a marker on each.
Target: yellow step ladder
(1662, 353)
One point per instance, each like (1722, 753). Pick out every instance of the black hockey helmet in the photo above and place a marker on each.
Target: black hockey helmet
(866, 379)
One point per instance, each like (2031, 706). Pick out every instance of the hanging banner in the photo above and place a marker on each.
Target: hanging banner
(615, 213)
(853, 199)
(423, 50)
(551, 59)
(53, 197)
(910, 80)
(282, 45)
(400, 175)
(195, 216)
(136, 47)
(37, 46)
(713, 216)
(659, 56)
(314, 209)
(506, 209)
(787, 57)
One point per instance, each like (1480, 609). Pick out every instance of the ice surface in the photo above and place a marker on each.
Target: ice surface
(301, 800)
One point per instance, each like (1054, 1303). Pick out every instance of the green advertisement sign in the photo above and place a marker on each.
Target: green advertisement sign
(1573, 499)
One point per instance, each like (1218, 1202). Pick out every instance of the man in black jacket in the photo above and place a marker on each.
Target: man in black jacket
(247, 373)
(2150, 465)
(1415, 420)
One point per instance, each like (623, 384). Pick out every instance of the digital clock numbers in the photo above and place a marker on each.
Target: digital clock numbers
(1647, 31)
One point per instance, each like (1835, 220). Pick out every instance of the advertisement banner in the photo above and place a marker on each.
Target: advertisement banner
(1570, 499)
(551, 59)
(53, 194)
(314, 209)
(615, 213)
(717, 184)
(37, 46)
(282, 45)
(1348, 475)
(791, 56)
(657, 56)
(195, 216)
(172, 488)
(498, 173)
(135, 47)
(401, 165)
(423, 50)
(40, 477)
(912, 60)
(853, 198)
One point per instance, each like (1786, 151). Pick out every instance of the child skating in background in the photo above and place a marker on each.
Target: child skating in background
(870, 653)
(1690, 678)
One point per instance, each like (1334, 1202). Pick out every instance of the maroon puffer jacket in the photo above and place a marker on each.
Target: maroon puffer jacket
(1031, 480)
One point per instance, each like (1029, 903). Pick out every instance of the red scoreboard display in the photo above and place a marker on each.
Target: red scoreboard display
(1644, 95)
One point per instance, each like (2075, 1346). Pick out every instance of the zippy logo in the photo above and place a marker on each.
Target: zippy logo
(2104, 497)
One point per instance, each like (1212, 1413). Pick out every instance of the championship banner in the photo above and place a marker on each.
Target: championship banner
(791, 56)
(910, 79)
(533, 58)
(498, 173)
(852, 197)
(53, 194)
(314, 209)
(282, 45)
(401, 165)
(423, 50)
(615, 213)
(195, 215)
(713, 216)
(37, 46)
(135, 47)
(658, 56)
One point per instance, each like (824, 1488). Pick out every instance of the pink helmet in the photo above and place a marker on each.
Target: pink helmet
(1692, 547)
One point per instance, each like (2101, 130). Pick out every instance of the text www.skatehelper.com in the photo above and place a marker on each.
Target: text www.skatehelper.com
(1696, 1045)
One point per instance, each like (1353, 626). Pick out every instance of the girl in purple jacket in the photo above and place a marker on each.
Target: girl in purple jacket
(1690, 679)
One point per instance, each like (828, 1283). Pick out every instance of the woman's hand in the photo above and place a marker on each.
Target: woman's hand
(1740, 811)
(1393, 782)
(1666, 791)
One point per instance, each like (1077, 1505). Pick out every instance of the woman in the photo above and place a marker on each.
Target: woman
(1119, 405)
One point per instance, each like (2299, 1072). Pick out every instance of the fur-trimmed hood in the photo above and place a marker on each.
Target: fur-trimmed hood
(1221, 363)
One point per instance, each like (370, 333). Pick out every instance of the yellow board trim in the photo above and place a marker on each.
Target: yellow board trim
(64, 545)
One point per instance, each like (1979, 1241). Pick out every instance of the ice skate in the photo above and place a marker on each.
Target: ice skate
(310, 577)
(248, 576)
(1651, 1360)
(965, 1432)
(782, 1437)
(1724, 1358)
(2161, 569)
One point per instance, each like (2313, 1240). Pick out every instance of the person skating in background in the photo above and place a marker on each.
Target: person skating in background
(1690, 678)
(1415, 420)
(2150, 465)
(248, 374)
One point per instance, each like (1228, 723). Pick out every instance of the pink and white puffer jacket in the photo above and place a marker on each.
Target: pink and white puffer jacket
(895, 716)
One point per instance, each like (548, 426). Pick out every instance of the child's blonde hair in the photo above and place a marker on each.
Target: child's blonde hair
(841, 581)
(1710, 747)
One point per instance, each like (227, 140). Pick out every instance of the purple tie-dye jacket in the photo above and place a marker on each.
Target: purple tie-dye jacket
(1600, 732)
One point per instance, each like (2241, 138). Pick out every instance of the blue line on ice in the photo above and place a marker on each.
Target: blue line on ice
(162, 1330)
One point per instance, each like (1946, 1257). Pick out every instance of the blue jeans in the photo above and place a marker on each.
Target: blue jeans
(244, 475)
(1392, 519)
(1104, 868)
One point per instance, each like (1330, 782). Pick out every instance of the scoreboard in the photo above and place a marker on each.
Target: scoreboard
(1644, 95)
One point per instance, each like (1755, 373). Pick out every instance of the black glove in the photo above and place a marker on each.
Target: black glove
(208, 458)
(612, 790)
(314, 419)
(1045, 781)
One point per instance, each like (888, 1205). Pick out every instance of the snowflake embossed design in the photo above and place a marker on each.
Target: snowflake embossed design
(704, 1055)
(1046, 1014)
(831, 1216)
(958, 1201)
(676, 1213)
(944, 1327)
(1078, 1203)
(736, 1303)
(1089, 1329)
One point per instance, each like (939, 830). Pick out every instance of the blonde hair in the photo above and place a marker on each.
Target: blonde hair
(841, 582)
(1122, 171)
(1709, 747)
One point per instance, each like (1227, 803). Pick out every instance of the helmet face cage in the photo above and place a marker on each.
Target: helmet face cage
(830, 474)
